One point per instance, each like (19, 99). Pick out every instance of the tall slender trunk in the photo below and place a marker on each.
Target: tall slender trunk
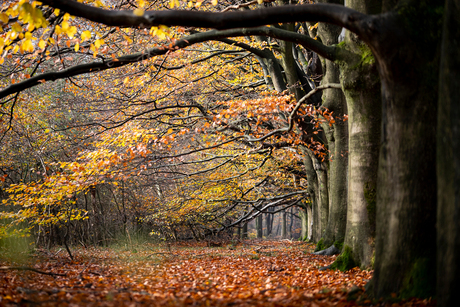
(259, 226)
(313, 190)
(303, 214)
(284, 224)
(337, 141)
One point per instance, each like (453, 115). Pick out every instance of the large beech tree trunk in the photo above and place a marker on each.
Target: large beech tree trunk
(448, 160)
(364, 114)
(361, 85)
(406, 49)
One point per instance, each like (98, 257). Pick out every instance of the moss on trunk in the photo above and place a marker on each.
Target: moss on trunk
(344, 261)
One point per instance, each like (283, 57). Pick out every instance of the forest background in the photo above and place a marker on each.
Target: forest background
(156, 126)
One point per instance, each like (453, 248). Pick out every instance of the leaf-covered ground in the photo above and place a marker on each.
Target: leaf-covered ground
(266, 273)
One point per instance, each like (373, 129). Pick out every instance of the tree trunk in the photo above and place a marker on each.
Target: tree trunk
(361, 85)
(244, 232)
(448, 160)
(337, 140)
(284, 224)
(322, 210)
(303, 223)
(364, 123)
(259, 226)
(406, 49)
(313, 190)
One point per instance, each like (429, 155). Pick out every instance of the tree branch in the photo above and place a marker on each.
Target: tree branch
(150, 53)
(330, 13)
(25, 268)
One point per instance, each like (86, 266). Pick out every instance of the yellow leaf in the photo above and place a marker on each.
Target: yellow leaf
(98, 43)
(260, 1)
(72, 31)
(16, 27)
(42, 44)
(77, 46)
(85, 35)
(214, 2)
(56, 12)
(138, 12)
(65, 26)
(4, 18)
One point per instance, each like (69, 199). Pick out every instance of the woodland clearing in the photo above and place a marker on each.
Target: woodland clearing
(250, 273)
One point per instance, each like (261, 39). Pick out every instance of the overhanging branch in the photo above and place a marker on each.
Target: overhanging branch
(330, 13)
(150, 53)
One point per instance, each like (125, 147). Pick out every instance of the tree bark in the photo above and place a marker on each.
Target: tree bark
(406, 49)
(312, 181)
(303, 214)
(259, 226)
(448, 160)
(284, 224)
(337, 141)
(358, 72)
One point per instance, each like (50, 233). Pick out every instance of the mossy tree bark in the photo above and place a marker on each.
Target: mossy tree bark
(361, 85)
(364, 122)
(448, 160)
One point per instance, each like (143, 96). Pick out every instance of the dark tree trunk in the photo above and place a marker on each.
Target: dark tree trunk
(259, 226)
(406, 48)
(284, 234)
(448, 160)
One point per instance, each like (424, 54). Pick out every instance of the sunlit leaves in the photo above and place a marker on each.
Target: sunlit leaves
(85, 35)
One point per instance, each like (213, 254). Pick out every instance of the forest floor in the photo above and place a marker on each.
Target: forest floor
(252, 273)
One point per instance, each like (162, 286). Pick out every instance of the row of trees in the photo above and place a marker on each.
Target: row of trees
(176, 117)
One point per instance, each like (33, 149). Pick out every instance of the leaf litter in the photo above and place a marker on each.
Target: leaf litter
(252, 273)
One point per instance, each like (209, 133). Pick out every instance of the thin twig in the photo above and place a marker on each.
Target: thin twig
(25, 268)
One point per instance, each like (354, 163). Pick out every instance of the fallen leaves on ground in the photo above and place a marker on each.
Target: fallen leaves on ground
(254, 273)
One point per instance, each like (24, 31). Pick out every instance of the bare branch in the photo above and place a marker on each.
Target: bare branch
(25, 268)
